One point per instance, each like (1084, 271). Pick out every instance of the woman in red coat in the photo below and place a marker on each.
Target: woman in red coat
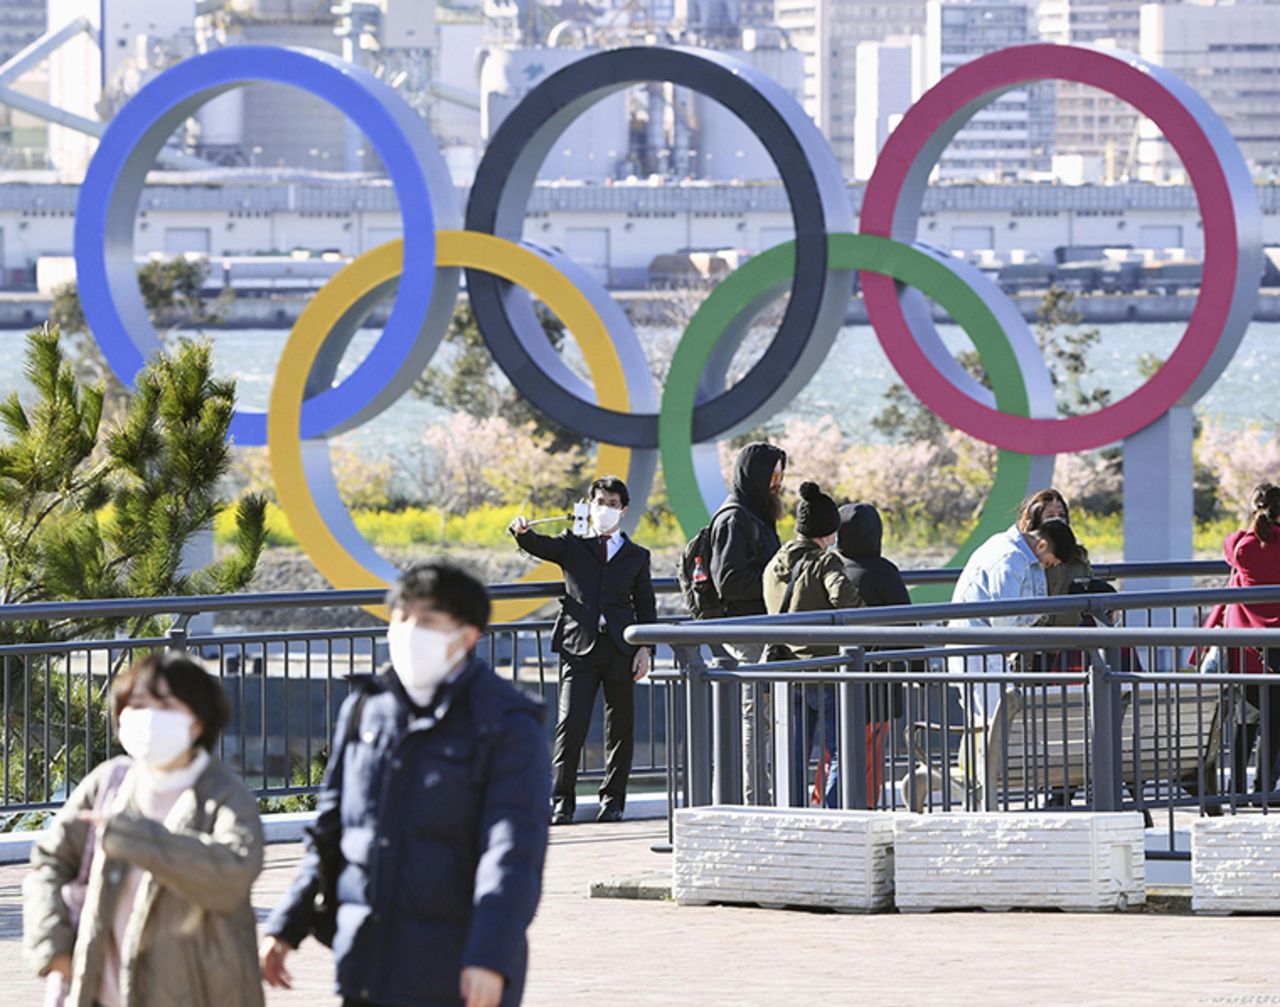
(1254, 557)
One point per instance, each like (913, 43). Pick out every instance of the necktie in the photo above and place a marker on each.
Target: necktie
(604, 548)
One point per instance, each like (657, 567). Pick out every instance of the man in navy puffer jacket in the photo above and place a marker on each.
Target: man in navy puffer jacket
(437, 799)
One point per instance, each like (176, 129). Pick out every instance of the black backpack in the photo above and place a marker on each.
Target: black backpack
(701, 599)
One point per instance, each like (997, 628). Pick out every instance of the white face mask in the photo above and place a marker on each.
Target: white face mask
(155, 737)
(605, 519)
(420, 657)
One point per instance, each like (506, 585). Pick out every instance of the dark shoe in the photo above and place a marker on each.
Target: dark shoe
(561, 813)
(609, 813)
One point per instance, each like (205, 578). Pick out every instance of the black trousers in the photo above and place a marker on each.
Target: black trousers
(1268, 778)
(581, 677)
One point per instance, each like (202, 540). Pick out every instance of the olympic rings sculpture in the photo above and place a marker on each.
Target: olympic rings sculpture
(621, 409)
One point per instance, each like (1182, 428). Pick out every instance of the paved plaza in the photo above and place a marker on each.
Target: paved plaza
(613, 951)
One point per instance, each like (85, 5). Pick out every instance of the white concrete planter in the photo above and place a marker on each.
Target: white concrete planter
(784, 857)
(1235, 864)
(1084, 862)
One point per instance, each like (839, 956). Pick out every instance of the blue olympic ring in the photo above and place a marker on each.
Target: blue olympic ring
(112, 188)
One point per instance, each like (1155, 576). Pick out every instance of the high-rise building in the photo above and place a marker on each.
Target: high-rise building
(719, 21)
(756, 13)
(23, 140)
(21, 23)
(1013, 136)
(660, 12)
(710, 21)
(1089, 123)
(828, 33)
(890, 79)
(1230, 53)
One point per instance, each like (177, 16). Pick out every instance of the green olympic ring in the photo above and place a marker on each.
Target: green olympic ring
(728, 309)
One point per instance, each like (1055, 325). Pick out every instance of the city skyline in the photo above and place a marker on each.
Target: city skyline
(437, 55)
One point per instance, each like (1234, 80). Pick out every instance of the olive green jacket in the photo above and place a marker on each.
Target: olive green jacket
(193, 940)
(820, 584)
(1059, 580)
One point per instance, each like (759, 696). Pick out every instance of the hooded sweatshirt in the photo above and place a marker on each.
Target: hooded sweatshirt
(875, 580)
(744, 536)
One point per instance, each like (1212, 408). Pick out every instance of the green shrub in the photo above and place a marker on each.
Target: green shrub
(486, 527)
(300, 777)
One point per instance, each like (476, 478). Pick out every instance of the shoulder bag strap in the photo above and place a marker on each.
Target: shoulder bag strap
(353, 725)
(101, 802)
(791, 586)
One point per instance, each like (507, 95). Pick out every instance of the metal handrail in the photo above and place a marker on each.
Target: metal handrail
(116, 608)
(763, 673)
(692, 698)
(1103, 571)
(119, 608)
(714, 770)
(1091, 604)
(1028, 638)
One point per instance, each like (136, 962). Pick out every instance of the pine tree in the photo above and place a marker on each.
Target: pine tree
(173, 293)
(91, 510)
(94, 509)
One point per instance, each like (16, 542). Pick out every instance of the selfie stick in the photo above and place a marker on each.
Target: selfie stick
(580, 518)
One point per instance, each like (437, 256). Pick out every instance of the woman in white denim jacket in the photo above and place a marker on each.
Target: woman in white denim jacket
(1007, 566)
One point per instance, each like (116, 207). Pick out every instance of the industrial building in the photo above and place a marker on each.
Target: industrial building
(616, 231)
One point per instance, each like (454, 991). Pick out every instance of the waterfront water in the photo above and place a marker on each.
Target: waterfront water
(849, 387)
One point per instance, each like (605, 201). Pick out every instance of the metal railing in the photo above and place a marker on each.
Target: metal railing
(285, 686)
(284, 689)
(946, 717)
(183, 608)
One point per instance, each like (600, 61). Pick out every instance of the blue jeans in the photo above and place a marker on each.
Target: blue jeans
(812, 707)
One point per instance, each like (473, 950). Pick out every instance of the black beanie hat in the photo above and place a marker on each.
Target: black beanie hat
(816, 515)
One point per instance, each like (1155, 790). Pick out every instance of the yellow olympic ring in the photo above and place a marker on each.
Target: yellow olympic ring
(355, 288)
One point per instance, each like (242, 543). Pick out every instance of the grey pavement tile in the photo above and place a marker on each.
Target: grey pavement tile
(593, 951)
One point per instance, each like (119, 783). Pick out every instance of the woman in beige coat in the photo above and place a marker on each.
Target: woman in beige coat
(166, 917)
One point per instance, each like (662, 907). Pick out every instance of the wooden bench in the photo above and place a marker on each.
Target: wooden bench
(1169, 730)
(1038, 742)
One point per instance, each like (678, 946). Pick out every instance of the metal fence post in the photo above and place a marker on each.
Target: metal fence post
(726, 737)
(177, 635)
(1105, 730)
(698, 714)
(853, 733)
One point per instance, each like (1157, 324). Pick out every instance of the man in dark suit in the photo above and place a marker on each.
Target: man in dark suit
(607, 587)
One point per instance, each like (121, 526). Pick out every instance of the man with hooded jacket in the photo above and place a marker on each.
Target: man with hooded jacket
(744, 537)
